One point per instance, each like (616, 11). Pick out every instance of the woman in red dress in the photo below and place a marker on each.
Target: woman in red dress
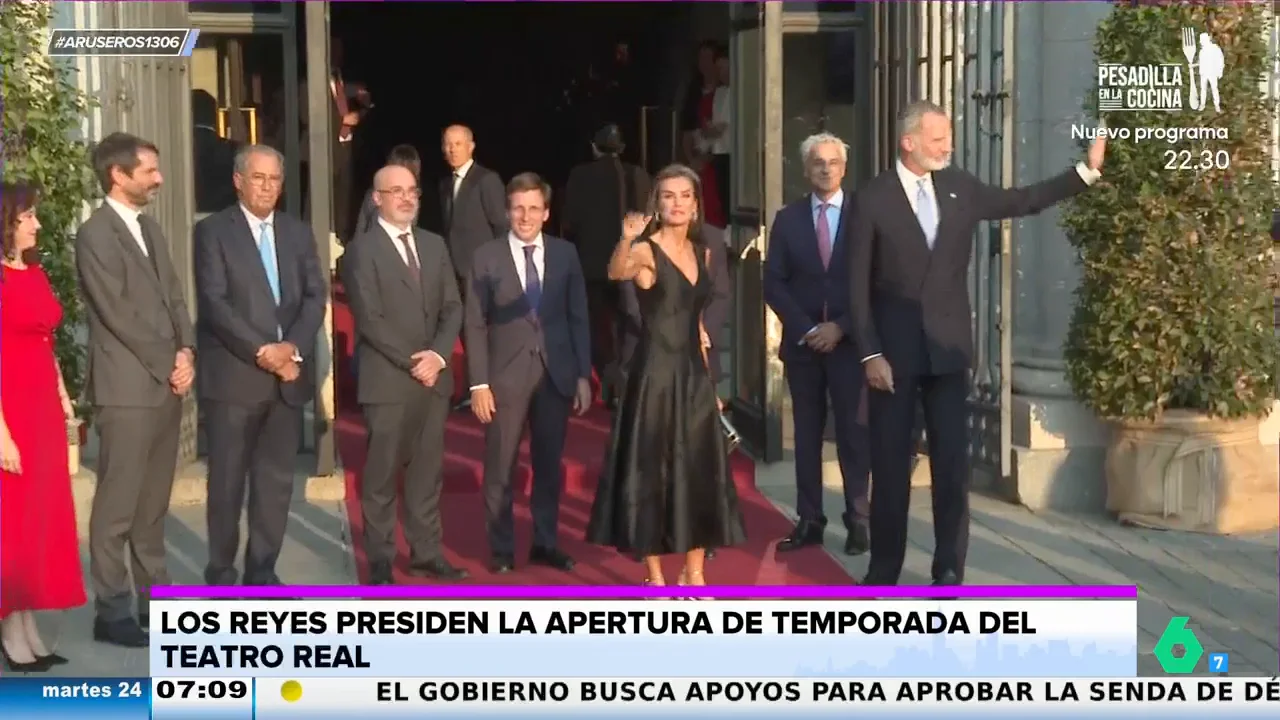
(39, 549)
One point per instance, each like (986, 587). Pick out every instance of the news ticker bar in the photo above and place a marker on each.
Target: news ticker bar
(124, 42)
(665, 698)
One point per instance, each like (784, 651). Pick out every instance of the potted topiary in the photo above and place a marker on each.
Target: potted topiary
(1172, 337)
(43, 110)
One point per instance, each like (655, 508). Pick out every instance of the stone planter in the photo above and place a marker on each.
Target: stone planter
(1186, 471)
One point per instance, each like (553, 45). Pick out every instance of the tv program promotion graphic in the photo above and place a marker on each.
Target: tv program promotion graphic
(123, 42)
(1184, 93)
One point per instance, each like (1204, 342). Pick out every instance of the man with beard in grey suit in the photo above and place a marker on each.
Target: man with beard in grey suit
(407, 312)
(141, 365)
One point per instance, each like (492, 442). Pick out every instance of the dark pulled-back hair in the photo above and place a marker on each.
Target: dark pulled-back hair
(16, 199)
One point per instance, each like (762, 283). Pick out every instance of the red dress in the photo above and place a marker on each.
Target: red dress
(712, 213)
(39, 549)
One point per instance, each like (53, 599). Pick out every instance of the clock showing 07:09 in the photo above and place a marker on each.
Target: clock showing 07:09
(201, 689)
(1201, 161)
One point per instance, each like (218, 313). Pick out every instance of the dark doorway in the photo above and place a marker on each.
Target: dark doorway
(532, 80)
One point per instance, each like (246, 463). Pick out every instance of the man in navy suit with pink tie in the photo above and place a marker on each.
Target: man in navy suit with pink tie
(806, 284)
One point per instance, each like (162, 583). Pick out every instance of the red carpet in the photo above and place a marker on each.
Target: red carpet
(752, 563)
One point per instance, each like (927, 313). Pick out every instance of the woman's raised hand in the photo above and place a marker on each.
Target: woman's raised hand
(634, 224)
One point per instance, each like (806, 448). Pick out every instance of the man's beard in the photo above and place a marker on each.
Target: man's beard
(931, 164)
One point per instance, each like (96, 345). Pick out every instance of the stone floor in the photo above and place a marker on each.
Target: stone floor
(317, 551)
(1226, 585)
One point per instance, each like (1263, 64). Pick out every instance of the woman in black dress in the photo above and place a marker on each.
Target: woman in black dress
(666, 487)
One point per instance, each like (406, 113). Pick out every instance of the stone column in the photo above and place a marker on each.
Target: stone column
(1058, 445)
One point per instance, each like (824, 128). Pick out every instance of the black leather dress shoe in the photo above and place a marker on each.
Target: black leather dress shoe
(124, 633)
(859, 539)
(876, 579)
(947, 578)
(550, 557)
(380, 573)
(438, 570)
(806, 533)
(501, 564)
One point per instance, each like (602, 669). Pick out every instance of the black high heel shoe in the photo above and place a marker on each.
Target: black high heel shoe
(52, 659)
(37, 666)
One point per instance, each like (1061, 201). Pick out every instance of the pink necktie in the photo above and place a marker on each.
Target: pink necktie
(824, 235)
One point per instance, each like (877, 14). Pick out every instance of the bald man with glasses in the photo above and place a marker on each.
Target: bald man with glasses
(404, 297)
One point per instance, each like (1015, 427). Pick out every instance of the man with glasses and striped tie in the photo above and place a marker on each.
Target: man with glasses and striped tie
(911, 241)
(261, 300)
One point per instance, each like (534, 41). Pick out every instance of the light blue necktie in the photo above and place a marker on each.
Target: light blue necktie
(267, 251)
(926, 213)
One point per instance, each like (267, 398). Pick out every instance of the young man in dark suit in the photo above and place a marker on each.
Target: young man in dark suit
(529, 357)
(911, 246)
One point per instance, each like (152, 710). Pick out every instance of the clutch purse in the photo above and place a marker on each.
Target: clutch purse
(731, 437)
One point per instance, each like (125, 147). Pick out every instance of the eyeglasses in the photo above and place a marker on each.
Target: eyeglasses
(261, 180)
(403, 193)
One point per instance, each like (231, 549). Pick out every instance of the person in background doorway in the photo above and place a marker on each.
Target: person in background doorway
(471, 200)
(405, 156)
(529, 360)
(806, 284)
(404, 298)
(910, 248)
(39, 548)
(473, 207)
(667, 486)
(212, 155)
(141, 366)
(349, 109)
(714, 138)
(260, 295)
(599, 194)
(697, 114)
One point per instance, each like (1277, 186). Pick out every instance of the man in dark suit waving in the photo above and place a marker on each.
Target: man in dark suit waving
(529, 355)
(806, 283)
(261, 301)
(405, 301)
(912, 241)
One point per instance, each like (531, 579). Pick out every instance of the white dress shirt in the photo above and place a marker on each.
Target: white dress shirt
(911, 186)
(517, 257)
(131, 219)
(395, 234)
(720, 116)
(461, 174)
(256, 223)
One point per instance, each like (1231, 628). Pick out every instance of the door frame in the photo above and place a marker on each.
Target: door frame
(762, 425)
(759, 423)
(283, 25)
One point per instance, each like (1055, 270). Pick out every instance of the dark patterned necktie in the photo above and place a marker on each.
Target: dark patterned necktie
(532, 283)
(410, 259)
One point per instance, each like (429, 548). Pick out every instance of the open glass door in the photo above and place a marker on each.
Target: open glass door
(757, 387)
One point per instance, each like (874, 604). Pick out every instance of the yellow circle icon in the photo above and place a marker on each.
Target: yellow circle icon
(291, 691)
